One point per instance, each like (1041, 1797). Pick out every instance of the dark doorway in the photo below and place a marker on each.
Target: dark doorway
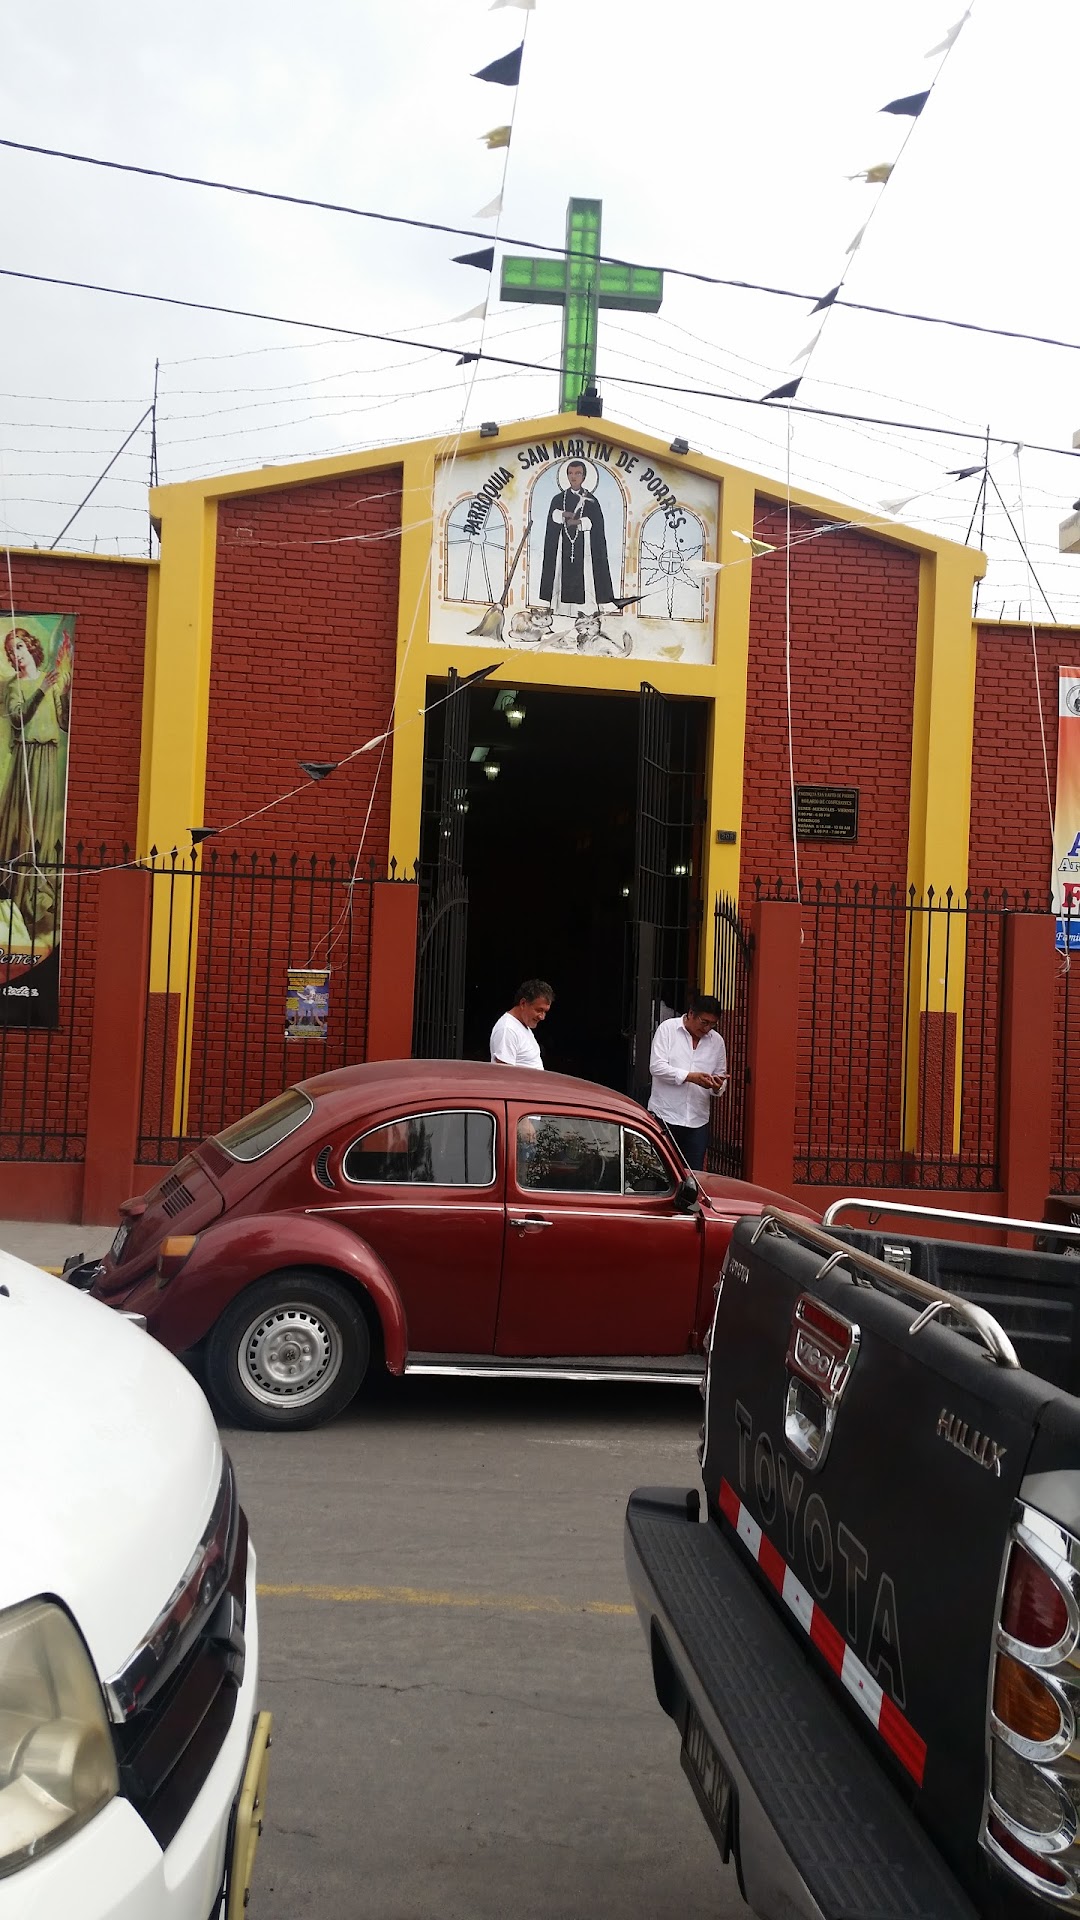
(551, 812)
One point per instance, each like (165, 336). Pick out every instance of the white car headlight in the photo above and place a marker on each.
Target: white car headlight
(57, 1765)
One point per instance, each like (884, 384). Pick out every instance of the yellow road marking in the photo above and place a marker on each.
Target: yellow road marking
(433, 1597)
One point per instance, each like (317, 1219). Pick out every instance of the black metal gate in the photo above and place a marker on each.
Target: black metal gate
(732, 960)
(439, 1018)
(664, 931)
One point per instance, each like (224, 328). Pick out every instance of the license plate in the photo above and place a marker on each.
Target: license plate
(120, 1239)
(711, 1783)
(248, 1819)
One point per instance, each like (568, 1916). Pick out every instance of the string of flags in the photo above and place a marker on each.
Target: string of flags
(502, 72)
(908, 106)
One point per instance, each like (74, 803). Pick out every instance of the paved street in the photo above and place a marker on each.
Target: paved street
(464, 1709)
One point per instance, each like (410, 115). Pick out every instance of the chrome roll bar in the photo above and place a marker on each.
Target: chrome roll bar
(875, 1207)
(868, 1271)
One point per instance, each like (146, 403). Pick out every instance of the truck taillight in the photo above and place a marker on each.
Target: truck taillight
(1033, 1609)
(1031, 1823)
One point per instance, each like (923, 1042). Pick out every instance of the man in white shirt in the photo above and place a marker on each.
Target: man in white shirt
(688, 1064)
(513, 1035)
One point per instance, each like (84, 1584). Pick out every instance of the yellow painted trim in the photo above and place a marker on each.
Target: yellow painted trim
(939, 829)
(96, 559)
(728, 693)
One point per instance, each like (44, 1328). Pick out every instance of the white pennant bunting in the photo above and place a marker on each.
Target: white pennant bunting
(491, 211)
(897, 506)
(858, 240)
(805, 352)
(474, 313)
(944, 45)
(525, 6)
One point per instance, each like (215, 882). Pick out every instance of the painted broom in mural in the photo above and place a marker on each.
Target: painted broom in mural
(493, 623)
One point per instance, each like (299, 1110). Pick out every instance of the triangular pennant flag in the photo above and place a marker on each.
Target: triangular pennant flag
(702, 566)
(964, 473)
(756, 546)
(484, 258)
(526, 6)
(912, 104)
(490, 212)
(478, 312)
(496, 137)
(874, 176)
(825, 301)
(318, 769)
(897, 506)
(200, 833)
(786, 392)
(481, 673)
(942, 45)
(466, 360)
(504, 72)
(805, 352)
(858, 240)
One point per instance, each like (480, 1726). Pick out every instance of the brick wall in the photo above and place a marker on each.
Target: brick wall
(854, 613)
(302, 668)
(44, 1075)
(1010, 822)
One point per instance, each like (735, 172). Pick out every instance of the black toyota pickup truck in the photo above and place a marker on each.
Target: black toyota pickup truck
(870, 1642)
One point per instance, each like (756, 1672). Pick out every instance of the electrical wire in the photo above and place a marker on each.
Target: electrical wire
(533, 246)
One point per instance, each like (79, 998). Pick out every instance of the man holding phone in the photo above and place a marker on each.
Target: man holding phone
(688, 1064)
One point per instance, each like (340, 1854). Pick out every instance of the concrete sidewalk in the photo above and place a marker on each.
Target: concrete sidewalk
(46, 1244)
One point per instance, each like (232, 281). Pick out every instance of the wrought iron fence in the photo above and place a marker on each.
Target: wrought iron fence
(224, 932)
(732, 955)
(900, 1007)
(45, 1058)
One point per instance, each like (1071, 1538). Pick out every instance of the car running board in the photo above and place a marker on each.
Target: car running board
(662, 1371)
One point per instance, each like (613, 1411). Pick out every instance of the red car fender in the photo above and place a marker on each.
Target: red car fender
(228, 1256)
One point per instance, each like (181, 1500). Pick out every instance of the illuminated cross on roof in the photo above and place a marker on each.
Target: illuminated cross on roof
(581, 284)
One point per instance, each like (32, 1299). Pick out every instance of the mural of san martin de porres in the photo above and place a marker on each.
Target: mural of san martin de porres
(575, 546)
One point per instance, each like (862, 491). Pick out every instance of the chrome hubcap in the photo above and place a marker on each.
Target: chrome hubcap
(292, 1354)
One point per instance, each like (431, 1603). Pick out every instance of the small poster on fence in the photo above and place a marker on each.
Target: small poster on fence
(307, 1003)
(1066, 874)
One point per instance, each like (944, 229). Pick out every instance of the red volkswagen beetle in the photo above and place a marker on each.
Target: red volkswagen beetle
(428, 1216)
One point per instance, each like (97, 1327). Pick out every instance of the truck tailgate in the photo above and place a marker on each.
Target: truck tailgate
(821, 1832)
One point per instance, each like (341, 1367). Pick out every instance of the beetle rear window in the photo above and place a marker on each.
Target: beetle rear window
(256, 1133)
(429, 1149)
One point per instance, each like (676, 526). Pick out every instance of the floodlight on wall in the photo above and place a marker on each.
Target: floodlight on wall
(488, 429)
(590, 406)
(679, 446)
(492, 769)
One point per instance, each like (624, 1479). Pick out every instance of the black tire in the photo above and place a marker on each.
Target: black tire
(290, 1351)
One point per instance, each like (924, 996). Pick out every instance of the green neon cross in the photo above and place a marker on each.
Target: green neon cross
(581, 284)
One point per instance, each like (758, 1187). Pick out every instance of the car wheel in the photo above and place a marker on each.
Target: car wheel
(290, 1351)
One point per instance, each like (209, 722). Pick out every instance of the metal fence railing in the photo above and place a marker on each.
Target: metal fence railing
(900, 1008)
(224, 933)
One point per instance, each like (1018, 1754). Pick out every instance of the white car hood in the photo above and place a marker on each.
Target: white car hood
(111, 1462)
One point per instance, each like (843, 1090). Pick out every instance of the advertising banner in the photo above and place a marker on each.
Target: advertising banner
(575, 545)
(1066, 874)
(307, 1003)
(37, 657)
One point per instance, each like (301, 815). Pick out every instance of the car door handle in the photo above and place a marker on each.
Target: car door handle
(530, 1223)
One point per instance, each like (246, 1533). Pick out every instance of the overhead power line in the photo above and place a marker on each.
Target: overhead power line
(534, 366)
(534, 246)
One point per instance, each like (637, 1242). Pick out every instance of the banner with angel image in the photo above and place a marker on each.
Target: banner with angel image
(36, 660)
(575, 545)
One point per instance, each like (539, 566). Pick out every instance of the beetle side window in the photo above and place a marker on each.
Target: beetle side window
(568, 1153)
(643, 1169)
(268, 1126)
(426, 1149)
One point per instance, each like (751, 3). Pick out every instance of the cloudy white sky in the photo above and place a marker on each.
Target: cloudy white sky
(719, 138)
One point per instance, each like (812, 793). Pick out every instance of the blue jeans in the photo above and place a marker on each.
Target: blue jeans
(691, 1142)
